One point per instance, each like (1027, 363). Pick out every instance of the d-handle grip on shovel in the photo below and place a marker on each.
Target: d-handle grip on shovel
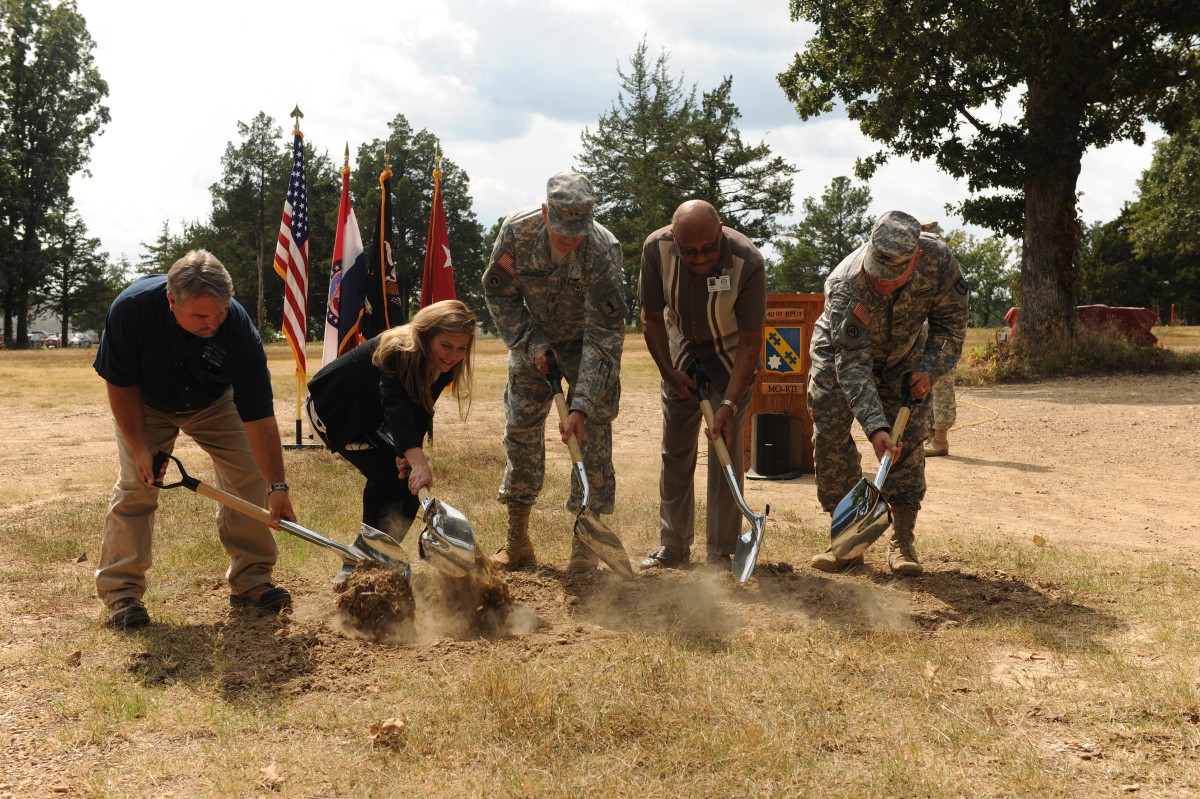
(554, 378)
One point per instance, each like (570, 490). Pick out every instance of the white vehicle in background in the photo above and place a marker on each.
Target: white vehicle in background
(79, 340)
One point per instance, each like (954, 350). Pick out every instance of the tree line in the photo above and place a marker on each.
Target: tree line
(663, 141)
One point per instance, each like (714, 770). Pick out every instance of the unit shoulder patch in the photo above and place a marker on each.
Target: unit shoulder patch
(853, 334)
(961, 286)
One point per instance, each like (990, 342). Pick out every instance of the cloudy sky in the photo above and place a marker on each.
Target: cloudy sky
(507, 85)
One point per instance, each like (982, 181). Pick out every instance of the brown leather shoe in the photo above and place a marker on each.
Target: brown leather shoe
(127, 614)
(666, 558)
(265, 596)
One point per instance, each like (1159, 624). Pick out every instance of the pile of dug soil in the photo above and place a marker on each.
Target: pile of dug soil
(481, 600)
(376, 600)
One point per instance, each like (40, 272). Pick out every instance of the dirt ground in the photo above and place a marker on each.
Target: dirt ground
(1077, 462)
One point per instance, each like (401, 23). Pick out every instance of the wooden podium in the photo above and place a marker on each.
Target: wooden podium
(781, 386)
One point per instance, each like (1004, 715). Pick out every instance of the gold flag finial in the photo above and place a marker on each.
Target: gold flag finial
(297, 115)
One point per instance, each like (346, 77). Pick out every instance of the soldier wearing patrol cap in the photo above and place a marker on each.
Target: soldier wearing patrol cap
(896, 306)
(555, 283)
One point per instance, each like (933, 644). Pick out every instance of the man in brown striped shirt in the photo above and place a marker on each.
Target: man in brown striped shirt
(703, 294)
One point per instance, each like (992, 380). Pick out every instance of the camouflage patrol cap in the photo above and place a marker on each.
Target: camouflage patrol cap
(569, 201)
(894, 241)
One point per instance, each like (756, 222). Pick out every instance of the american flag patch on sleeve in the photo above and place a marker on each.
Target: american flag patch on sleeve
(506, 262)
(862, 313)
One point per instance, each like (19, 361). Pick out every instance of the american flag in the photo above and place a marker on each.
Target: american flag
(291, 259)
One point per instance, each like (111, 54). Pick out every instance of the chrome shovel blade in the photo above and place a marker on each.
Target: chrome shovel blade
(858, 521)
(745, 549)
(597, 537)
(447, 542)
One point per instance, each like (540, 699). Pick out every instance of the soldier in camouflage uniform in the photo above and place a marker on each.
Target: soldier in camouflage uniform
(945, 412)
(895, 306)
(555, 283)
(945, 404)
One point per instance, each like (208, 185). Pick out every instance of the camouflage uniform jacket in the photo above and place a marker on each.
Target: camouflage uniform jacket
(576, 307)
(864, 338)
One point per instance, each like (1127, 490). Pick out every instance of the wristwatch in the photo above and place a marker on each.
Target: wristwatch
(278, 487)
(732, 405)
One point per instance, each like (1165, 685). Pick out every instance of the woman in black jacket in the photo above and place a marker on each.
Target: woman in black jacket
(374, 407)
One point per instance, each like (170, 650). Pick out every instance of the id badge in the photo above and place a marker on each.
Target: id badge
(718, 283)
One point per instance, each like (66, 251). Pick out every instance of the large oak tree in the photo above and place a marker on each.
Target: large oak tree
(1007, 96)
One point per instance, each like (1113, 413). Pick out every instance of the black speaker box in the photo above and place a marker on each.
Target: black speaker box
(776, 446)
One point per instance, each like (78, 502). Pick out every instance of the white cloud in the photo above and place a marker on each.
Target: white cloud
(508, 87)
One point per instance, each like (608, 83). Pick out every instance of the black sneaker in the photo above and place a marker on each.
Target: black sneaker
(267, 596)
(127, 614)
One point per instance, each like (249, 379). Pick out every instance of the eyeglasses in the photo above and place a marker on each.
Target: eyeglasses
(707, 249)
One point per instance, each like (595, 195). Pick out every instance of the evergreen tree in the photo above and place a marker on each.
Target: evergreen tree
(51, 108)
(411, 156)
(658, 146)
(80, 279)
(247, 202)
(832, 227)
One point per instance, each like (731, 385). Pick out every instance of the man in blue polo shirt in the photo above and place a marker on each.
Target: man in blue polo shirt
(180, 354)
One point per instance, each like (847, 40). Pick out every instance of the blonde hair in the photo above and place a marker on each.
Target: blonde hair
(404, 351)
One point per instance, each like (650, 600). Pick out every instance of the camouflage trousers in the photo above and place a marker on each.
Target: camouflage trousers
(836, 455)
(528, 400)
(945, 404)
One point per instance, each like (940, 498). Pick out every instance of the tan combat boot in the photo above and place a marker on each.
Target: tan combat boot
(829, 562)
(938, 445)
(582, 559)
(902, 554)
(517, 551)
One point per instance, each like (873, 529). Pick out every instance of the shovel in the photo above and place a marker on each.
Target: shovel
(594, 533)
(447, 542)
(745, 551)
(863, 514)
(376, 547)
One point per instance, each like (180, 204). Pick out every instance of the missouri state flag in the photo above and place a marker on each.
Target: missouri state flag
(347, 279)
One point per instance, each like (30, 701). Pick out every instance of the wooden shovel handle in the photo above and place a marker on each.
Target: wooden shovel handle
(423, 495)
(237, 503)
(572, 444)
(901, 422)
(719, 444)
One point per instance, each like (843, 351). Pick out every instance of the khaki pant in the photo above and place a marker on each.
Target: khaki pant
(125, 551)
(682, 423)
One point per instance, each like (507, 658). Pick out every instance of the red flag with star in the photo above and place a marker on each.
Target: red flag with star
(437, 282)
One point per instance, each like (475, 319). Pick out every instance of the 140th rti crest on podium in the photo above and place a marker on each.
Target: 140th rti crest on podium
(779, 445)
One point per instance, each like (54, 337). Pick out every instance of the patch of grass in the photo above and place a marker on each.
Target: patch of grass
(1093, 349)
